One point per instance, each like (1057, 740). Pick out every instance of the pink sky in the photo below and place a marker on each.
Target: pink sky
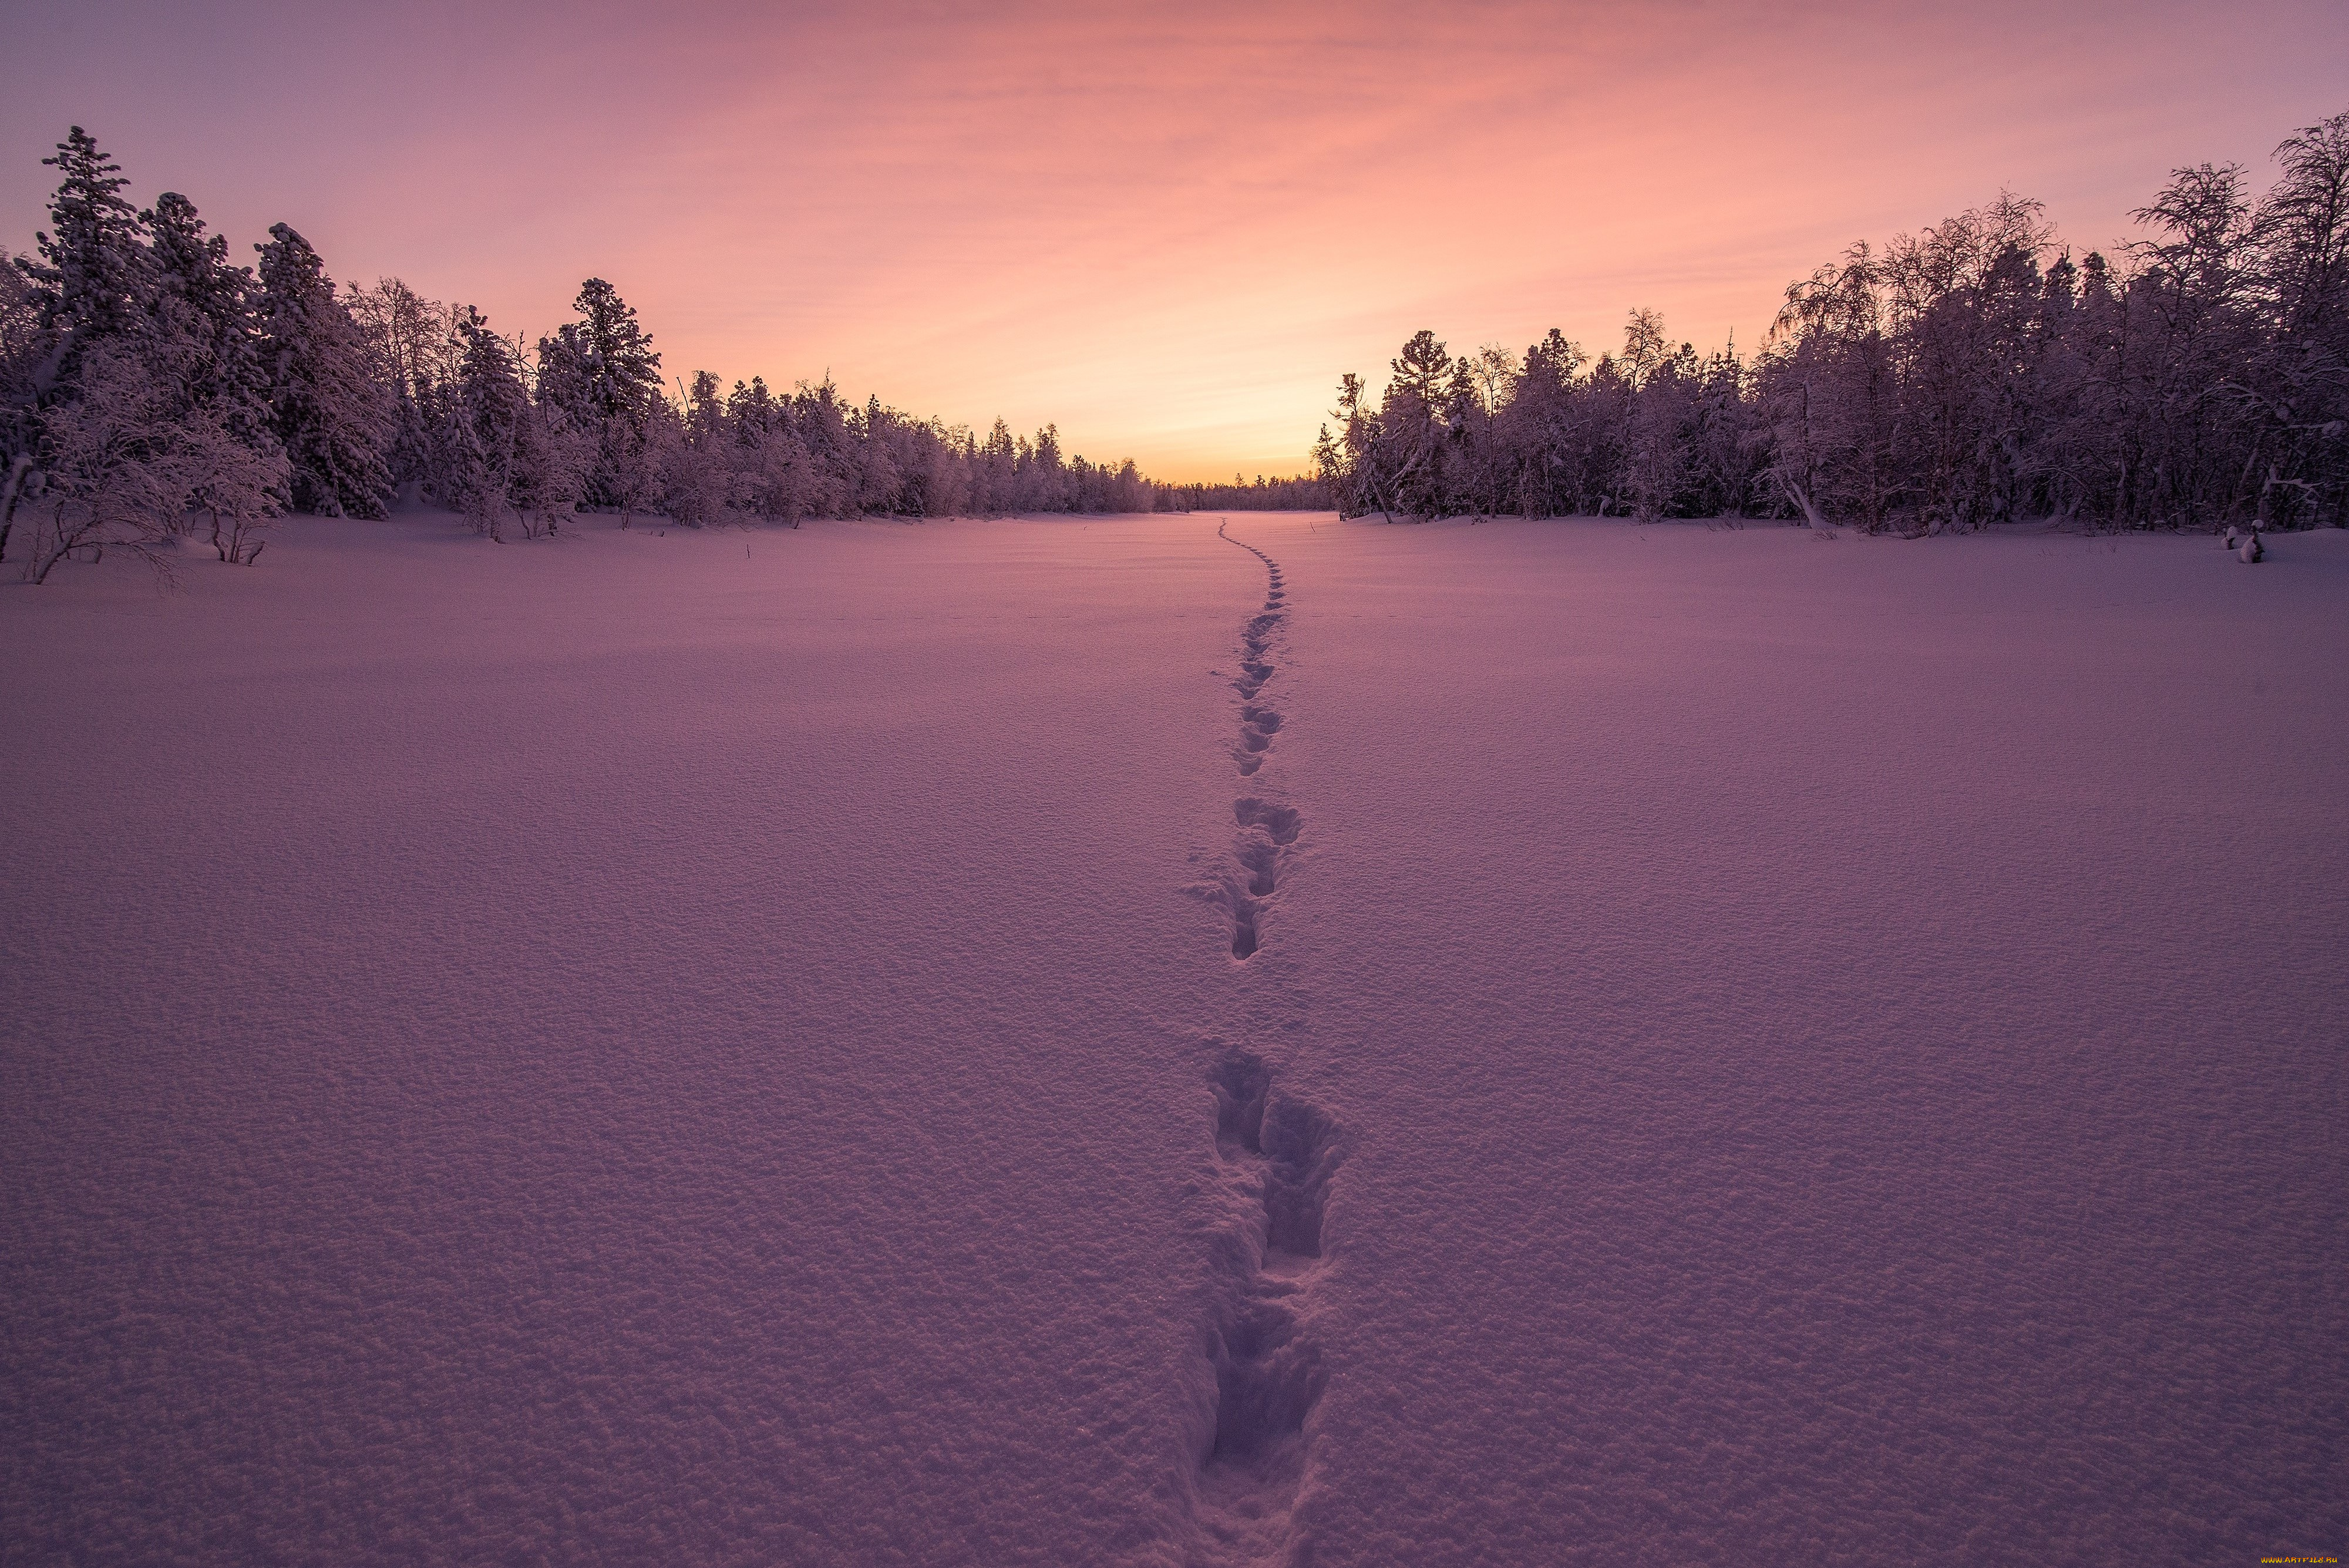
(1167, 228)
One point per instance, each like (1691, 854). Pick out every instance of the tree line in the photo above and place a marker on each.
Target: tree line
(148, 388)
(1969, 375)
(1973, 374)
(1300, 493)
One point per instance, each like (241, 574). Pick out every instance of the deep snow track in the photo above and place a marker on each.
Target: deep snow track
(1266, 829)
(1275, 1155)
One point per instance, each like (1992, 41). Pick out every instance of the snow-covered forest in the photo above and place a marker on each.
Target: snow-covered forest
(149, 386)
(1972, 374)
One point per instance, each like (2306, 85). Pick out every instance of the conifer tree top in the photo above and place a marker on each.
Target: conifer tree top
(93, 264)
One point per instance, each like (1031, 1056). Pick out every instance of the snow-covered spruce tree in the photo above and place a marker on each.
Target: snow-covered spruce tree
(566, 374)
(626, 370)
(93, 279)
(331, 408)
(499, 450)
(820, 419)
(698, 479)
(1721, 447)
(1410, 453)
(1347, 460)
(602, 373)
(89, 283)
(993, 463)
(1048, 476)
(770, 460)
(1551, 430)
(199, 333)
(483, 432)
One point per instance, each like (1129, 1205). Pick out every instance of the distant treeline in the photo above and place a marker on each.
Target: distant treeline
(1969, 375)
(148, 386)
(1302, 494)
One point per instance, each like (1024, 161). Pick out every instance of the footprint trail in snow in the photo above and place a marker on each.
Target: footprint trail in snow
(1266, 829)
(1275, 1155)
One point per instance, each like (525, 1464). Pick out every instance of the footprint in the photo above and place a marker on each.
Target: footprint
(1268, 1369)
(1268, 1378)
(1280, 822)
(1301, 1151)
(1240, 904)
(1240, 1083)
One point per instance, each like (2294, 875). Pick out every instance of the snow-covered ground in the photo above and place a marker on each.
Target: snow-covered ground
(729, 1048)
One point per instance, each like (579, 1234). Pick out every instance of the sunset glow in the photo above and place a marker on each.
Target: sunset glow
(1168, 229)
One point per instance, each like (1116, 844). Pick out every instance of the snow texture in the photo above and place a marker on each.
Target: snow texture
(1070, 1041)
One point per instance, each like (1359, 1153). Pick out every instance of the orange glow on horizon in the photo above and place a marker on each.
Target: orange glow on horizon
(1170, 233)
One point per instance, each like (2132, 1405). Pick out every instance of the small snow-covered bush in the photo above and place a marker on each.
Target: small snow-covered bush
(125, 472)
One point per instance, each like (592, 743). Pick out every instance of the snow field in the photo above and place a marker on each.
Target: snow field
(1840, 1041)
(616, 1052)
(1071, 1041)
